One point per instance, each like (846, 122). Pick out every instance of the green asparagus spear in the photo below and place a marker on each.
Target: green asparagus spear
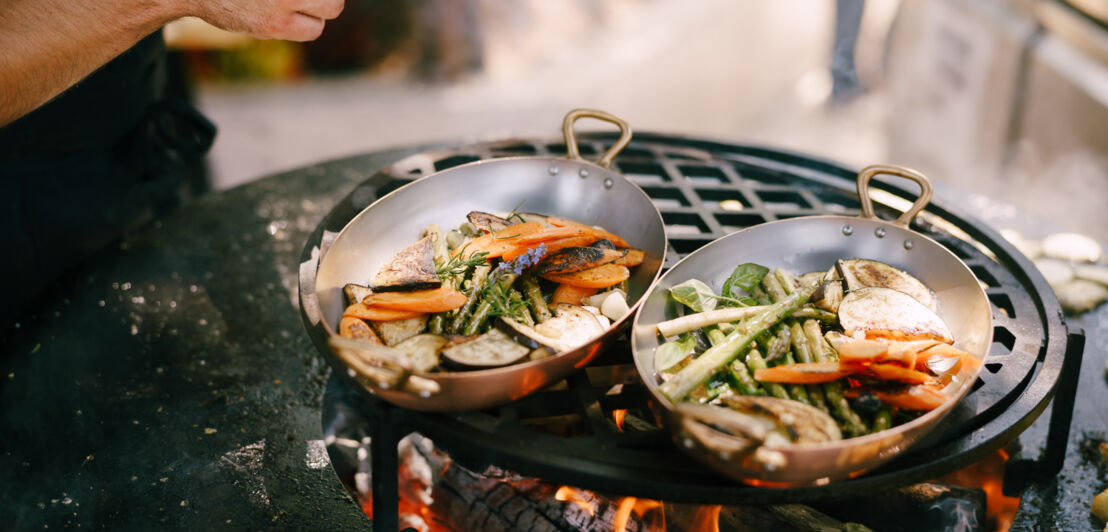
(833, 390)
(717, 356)
(484, 308)
(477, 285)
(755, 362)
(534, 294)
(803, 354)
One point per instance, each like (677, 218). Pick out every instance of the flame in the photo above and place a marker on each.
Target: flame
(626, 504)
(988, 474)
(707, 518)
(576, 496)
(618, 416)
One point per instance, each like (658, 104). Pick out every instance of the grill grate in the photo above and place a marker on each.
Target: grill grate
(705, 190)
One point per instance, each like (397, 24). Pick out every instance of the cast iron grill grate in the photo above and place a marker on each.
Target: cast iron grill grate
(705, 190)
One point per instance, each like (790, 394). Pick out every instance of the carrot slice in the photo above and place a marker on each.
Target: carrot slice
(562, 222)
(598, 277)
(496, 244)
(573, 295)
(806, 373)
(551, 233)
(916, 397)
(634, 257)
(375, 313)
(358, 329)
(434, 300)
(893, 372)
(862, 350)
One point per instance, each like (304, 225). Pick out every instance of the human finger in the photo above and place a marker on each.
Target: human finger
(301, 27)
(322, 9)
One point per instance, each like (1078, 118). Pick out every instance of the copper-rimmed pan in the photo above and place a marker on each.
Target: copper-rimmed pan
(813, 244)
(568, 187)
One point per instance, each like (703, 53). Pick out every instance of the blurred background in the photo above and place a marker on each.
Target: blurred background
(1006, 100)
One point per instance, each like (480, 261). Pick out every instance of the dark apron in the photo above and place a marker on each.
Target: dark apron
(107, 155)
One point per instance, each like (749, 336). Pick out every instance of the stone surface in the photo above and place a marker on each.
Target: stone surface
(169, 383)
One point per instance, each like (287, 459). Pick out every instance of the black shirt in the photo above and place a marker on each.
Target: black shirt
(110, 153)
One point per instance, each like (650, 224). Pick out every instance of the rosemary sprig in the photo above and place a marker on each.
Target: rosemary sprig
(460, 264)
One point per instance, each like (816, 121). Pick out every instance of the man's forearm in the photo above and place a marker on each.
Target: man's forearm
(48, 45)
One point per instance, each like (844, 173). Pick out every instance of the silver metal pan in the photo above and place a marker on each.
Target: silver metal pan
(568, 187)
(813, 244)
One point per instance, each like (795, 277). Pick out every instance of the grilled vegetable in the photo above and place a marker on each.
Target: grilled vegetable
(411, 269)
(571, 326)
(888, 313)
(829, 295)
(525, 335)
(489, 350)
(394, 332)
(804, 373)
(487, 223)
(598, 277)
(355, 293)
(700, 369)
(422, 351)
(576, 259)
(357, 329)
(438, 299)
(574, 295)
(861, 273)
(767, 421)
(374, 313)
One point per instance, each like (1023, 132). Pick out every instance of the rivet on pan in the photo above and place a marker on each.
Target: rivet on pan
(879, 232)
(584, 172)
(554, 169)
(425, 393)
(608, 182)
(688, 443)
(848, 230)
(351, 372)
(908, 244)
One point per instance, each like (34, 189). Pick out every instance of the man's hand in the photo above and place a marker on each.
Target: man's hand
(293, 20)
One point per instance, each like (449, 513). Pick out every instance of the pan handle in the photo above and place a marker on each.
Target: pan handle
(571, 138)
(868, 172)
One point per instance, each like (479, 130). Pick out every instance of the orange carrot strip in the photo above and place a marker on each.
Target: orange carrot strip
(358, 329)
(634, 257)
(804, 373)
(434, 300)
(862, 350)
(552, 246)
(573, 295)
(375, 313)
(893, 372)
(562, 222)
(916, 397)
(598, 277)
(496, 244)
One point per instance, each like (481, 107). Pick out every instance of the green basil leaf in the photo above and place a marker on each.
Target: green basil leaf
(670, 353)
(694, 294)
(745, 277)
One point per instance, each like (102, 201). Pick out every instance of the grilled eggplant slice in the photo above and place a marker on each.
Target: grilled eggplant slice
(860, 273)
(488, 223)
(888, 313)
(355, 293)
(394, 332)
(828, 295)
(411, 269)
(490, 350)
(525, 335)
(422, 351)
(576, 259)
(571, 327)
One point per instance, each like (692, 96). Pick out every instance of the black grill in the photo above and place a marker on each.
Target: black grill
(704, 191)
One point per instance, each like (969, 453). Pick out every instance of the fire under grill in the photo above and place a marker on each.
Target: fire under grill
(595, 430)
